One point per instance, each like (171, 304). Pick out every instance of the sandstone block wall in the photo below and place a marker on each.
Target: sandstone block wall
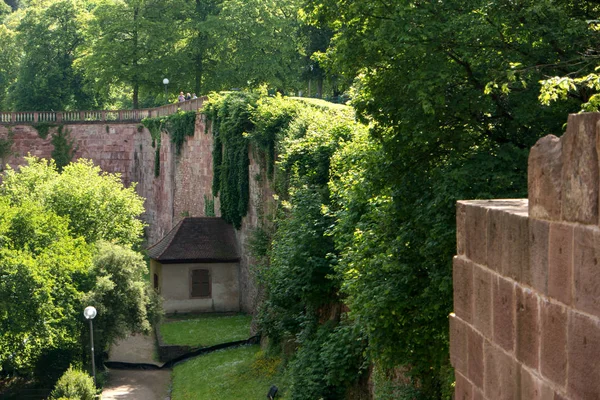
(526, 321)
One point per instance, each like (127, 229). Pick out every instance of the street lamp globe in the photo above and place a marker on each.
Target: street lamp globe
(165, 81)
(89, 312)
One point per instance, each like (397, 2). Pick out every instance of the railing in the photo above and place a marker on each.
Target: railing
(70, 117)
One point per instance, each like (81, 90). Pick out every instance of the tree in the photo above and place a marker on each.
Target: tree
(451, 90)
(40, 264)
(196, 64)
(54, 256)
(47, 76)
(130, 44)
(123, 298)
(261, 45)
(9, 60)
(96, 204)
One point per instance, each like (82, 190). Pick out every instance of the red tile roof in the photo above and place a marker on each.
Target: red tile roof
(206, 239)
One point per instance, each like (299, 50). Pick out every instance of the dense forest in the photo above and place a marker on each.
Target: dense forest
(447, 98)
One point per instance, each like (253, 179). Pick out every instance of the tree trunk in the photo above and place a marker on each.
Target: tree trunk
(319, 88)
(136, 90)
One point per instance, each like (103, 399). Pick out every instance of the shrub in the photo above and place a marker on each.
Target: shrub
(74, 385)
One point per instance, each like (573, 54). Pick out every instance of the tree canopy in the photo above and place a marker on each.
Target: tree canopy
(66, 239)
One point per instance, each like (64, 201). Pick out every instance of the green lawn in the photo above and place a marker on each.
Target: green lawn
(232, 374)
(204, 331)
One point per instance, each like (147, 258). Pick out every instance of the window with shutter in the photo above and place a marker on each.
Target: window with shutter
(200, 283)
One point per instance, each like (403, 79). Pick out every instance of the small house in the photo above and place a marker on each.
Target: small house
(195, 267)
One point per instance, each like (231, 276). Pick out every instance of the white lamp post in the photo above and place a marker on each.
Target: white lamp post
(90, 313)
(166, 82)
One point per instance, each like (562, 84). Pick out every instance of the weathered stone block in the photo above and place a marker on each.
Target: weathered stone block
(475, 367)
(583, 350)
(463, 389)
(533, 387)
(536, 275)
(458, 343)
(478, 394)
(560, 262)
(586, 269)
(503, 293)
(527, 340)
(553, 348)
(482, 300)
(462, 277)
(515, 245)
(496, 235)
(502, 374)
(461, 228)
(544, 179)
(580, 169)
(476, 238)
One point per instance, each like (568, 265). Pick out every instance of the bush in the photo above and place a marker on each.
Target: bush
(74, 385)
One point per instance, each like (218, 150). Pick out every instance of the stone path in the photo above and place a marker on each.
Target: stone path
(138, 384)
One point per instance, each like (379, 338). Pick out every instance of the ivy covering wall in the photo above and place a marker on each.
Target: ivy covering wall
(178, 126)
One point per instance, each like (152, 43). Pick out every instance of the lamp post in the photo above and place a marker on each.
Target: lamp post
(166, 82)
(89, 313)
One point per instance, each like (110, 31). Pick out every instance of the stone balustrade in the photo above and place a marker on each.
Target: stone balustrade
(97, 116)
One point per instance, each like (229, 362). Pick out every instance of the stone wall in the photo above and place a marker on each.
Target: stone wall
(180, 190)
(526, 321)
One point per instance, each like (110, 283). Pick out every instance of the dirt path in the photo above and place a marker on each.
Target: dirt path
(136, 384)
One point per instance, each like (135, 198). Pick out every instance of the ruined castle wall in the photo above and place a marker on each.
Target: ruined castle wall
(526, 321)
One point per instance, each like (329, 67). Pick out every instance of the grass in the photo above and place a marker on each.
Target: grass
(204, 331)
(233, 374)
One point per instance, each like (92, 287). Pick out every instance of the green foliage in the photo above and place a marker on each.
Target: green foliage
(50, 266)
(209, 206)
(63, 150)
(43, 128)
(298, 259)
(6, 145)
(96, 203)
(124, 300)
(327, 362)
(40, 270)
(230, 116)
(74, 385)
(451, 93)
(178, 126)
(47, 76)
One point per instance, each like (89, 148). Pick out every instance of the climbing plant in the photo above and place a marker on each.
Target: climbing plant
(64, 149)
(6, 145)
(231, 118)
(177, 126)
(43, 128)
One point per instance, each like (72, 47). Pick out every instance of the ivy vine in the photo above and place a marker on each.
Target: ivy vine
(64, 148)
(6, 146)
(178, 126)
(43, 128)
(231, 121)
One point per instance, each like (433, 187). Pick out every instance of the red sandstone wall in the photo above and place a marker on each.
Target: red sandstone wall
(111, 147)
(526, 321)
